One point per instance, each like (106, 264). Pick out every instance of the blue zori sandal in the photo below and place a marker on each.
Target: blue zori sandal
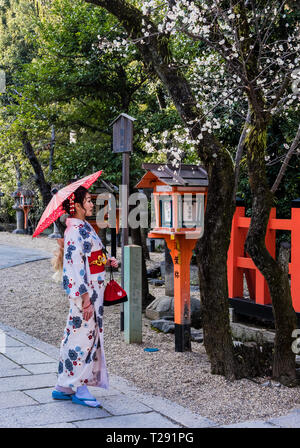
(57, 395)
(84, 402)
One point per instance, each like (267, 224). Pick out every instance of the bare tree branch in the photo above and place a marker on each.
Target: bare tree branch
(280, 93)
(239, 152)
(288, 156)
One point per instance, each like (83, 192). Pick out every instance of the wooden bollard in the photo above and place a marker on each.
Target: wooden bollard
(133, 288)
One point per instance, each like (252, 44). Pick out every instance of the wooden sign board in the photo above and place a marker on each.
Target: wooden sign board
(123, 134)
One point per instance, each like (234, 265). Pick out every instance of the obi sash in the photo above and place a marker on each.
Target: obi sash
(97, 262)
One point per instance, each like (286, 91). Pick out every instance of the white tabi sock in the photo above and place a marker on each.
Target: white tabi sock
(82, 393)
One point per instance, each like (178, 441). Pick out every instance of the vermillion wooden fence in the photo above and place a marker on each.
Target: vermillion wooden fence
(239, 263)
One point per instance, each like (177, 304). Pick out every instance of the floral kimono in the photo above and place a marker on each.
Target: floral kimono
(82, 359)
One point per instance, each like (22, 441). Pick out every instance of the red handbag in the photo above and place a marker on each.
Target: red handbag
(113, 293)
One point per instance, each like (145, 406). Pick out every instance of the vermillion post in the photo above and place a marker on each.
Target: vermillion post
(295, 255)
(236, 249)
(262, 290)
(181, 251)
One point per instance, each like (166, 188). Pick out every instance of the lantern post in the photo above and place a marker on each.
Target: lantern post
(26, 203)
(122, 143)
(56, 234)
(19, 210)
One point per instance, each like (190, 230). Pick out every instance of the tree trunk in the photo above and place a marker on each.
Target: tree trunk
(147, 298)
(144, 243)
(169, 273)
(283, 366)
(274, 273)
(43, 186)
(211, 253)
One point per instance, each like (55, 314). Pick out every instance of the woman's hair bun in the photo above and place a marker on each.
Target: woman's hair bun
(77, 197)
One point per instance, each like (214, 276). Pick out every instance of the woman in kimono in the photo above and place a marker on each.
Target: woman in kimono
(82, 359)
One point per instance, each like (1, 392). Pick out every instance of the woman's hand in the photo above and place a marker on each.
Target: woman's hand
(112, 262)
(87, 307)
(88, 311)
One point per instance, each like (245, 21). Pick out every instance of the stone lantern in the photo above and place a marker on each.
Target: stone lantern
(55, 234)
(23, 202)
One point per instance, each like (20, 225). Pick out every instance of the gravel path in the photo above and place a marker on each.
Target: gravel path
(32, 302)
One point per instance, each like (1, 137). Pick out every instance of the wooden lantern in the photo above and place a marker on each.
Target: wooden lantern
(179, 205)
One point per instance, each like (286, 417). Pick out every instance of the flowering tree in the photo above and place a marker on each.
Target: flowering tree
(257, 45)
(245, 58)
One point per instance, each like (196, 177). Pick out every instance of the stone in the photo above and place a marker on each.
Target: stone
(196, 335)
(14, 399)
(183, 416)
(163, 325)
(28, 382)
(44, 414)
(165, 305)
(147, 420)
(7, 341)
(33, 342)
(158, 308)
(42, 368)
(26, 355)
(154, 272)
(168, 326)
(7, 363)
(121, 405)
(291, 420)
(42, 396)
(5, 373)
(55, 425)
(156, 282)
(246, 333)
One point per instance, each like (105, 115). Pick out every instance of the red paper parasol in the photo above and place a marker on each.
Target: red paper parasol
(54, 209)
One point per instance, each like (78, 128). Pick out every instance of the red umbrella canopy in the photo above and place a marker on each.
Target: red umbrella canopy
(54, 209)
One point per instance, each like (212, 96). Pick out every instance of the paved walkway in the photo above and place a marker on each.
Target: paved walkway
(28, 373)
(12, 256)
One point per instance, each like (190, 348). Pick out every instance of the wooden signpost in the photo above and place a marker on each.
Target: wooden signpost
(122, 143)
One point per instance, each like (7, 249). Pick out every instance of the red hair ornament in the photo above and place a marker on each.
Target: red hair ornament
(72, 204)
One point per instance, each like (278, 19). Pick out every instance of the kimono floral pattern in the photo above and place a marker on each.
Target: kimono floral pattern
(82, 358)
